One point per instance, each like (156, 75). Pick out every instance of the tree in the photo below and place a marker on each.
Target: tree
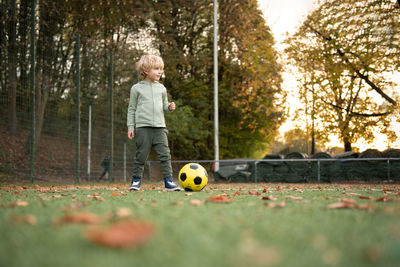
(253, 102)
(249, 80)
(340, 44)
(12, 67)
(182, 32)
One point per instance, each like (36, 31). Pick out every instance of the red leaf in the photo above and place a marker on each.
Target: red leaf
(269, 198)
(121, 234)
(364, 197)
(384, 199)
(237, 193)
(220, 199)
(83, 217)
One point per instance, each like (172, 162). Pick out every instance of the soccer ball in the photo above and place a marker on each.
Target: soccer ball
(193, 177)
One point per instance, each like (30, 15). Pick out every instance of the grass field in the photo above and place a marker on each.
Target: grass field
(224, 225)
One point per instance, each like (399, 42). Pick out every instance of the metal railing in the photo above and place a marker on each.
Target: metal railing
(308, 161)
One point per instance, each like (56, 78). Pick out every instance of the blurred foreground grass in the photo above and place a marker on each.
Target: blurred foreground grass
(259, 225)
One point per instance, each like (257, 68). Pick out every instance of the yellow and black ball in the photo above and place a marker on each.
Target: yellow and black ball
(193, 177)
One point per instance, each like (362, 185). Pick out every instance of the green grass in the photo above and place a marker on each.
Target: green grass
(244, 232)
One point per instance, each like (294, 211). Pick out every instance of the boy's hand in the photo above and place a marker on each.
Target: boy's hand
(131, 134)
(171, 106)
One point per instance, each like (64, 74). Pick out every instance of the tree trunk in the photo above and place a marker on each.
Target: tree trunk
(47, 30)
(347, 145)
(41, 100)
(12, 68)
(3, 64)
(23, 26)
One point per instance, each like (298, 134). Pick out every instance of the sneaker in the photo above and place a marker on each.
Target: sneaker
(170, 185)
(135, 184)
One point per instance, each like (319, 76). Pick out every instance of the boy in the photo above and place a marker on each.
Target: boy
(145, 120)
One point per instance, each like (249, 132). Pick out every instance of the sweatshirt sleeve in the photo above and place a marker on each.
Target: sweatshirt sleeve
(165, 100)
(130, 121)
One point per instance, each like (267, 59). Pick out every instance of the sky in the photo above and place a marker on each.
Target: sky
(285, 16)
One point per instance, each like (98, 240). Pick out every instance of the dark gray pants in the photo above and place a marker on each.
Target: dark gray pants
(156, 138)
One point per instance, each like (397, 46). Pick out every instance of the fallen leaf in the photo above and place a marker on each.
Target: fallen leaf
(115, 194)
(275, 205)
(347, 200)
(96, 196)
(25, 219)
(188, 194)
(384, 199)
(254, 193)
(83, 217)
(237, 193)
(388, 210)
(123, 212)
(19, 203)
(269, 198)
(121, 234)
(196, 202)
(178, 203)
(368, 197)
(353, 194)
(220, 199)
(296, 198)
(339, 205)
(367, 206)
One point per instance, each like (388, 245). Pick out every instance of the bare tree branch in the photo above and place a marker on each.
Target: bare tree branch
(357, 71)
(360, 114)
(351, 112)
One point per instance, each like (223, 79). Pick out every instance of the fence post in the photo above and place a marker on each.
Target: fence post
(388, 168)
(78, 113)
(110, 80)
(124, 162)
(89, 140)
(319, 171)
(149, 169)
(255, 171)
(32, 94)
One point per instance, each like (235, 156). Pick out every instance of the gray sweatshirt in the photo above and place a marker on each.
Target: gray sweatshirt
(147, 104)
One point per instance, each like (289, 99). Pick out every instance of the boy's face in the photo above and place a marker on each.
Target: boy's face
(154, 74)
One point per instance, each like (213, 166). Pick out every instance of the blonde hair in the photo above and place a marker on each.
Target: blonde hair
(148, 62)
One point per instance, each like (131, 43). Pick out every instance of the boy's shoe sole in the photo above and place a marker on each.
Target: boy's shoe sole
(172, 189)
(134, 189)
